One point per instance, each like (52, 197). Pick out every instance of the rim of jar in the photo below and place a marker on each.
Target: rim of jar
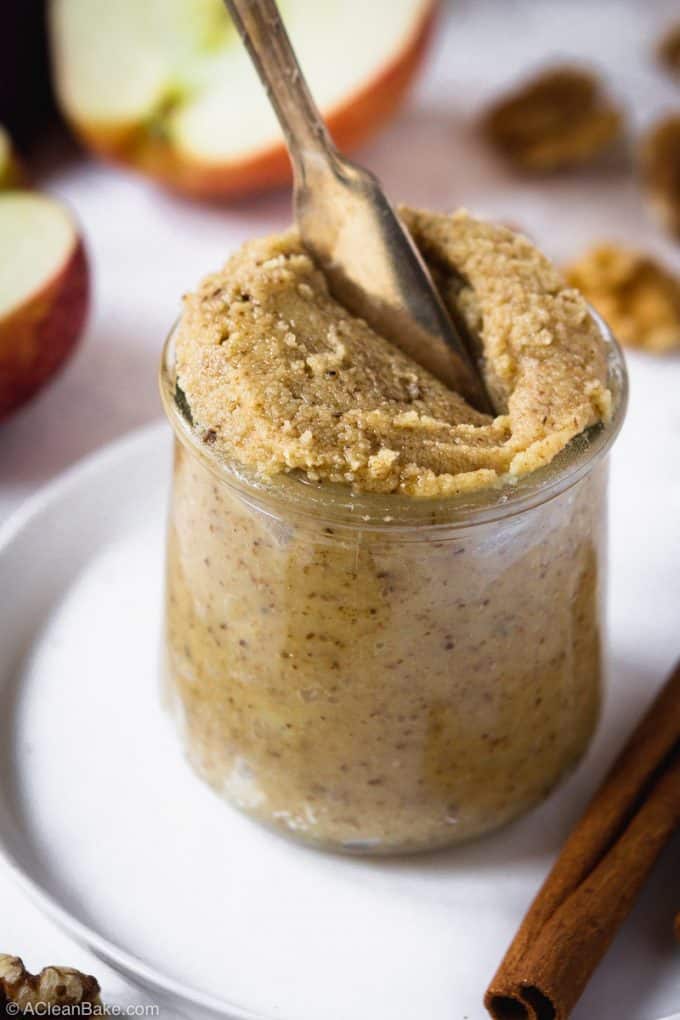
(291, 495)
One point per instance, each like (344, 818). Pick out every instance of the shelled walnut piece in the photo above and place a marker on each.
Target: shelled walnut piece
(62, 986)
(638, 297)
(560, 118)
(660, 168)
(668, 49)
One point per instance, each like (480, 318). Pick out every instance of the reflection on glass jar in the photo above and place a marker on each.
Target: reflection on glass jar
(381, 674)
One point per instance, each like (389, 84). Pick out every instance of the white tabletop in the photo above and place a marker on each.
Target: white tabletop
(146, 248)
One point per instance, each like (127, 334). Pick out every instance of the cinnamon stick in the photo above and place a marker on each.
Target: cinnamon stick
(598, 874)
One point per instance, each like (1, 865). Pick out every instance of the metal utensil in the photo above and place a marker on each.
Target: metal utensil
(345, 221)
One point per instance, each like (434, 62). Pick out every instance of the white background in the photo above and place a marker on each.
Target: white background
(146, 248)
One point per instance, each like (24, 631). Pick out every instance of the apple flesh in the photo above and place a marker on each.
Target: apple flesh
(168, 88)
(43, 293)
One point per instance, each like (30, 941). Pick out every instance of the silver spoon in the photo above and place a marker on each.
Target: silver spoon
(345, 221)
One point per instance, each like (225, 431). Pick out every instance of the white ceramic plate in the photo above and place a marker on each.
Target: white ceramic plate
(105, 826)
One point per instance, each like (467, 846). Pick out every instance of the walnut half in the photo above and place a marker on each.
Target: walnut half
(53, 986)
(560, 118)
(668, 49)
(660, 168)
(638, 297)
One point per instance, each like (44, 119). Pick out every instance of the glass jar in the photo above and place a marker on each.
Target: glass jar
(377, 673)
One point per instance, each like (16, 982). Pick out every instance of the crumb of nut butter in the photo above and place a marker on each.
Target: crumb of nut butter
(637, 296)
(282, 378)
(559, 118)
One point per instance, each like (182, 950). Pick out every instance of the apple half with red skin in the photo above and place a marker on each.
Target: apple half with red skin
(166, 86)
(44, 287)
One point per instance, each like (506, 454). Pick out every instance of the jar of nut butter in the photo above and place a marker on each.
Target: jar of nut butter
(385, 608)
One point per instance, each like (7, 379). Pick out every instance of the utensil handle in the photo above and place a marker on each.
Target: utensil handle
(260, 26)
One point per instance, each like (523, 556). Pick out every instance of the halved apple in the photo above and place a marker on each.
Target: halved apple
(43, 292)
(10, 167)
(167, 87)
